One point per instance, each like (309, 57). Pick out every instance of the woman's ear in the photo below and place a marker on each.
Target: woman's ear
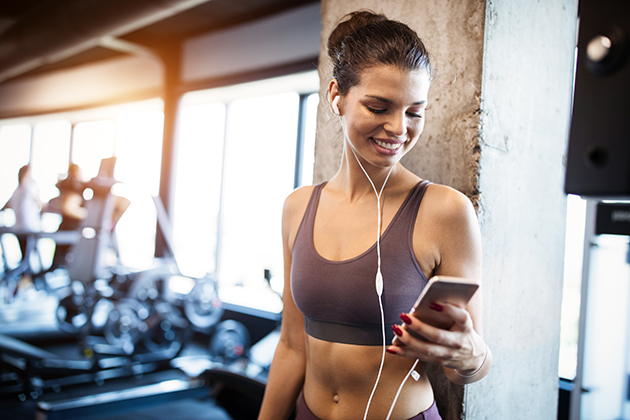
(333, 95)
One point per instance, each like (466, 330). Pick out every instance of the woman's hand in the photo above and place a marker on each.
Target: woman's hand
(460, 349)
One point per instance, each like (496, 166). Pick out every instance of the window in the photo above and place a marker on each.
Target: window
(259, 171)
(574, 248)
(197, 189)
(139, 158)
(236, 164)
(91, 142)
(308, 157)
(15, 143)
(131, 132)
(50, 156)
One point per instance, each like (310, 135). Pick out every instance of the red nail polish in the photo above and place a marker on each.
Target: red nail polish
(397, 330)
(436, 306)
(405, 318)
(391, 351)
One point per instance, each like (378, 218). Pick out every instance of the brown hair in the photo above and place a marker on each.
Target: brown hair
(366, 39)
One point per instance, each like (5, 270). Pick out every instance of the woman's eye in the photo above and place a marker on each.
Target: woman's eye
(377, 110)
(414, 115)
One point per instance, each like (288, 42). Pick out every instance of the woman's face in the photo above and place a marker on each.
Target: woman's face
(384, 113)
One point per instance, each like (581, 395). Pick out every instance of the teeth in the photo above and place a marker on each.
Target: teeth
(390, 146)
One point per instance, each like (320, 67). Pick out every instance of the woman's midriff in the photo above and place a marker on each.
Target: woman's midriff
(340, 377)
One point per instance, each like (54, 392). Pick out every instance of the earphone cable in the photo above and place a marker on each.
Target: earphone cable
(391, 409)
(379, 276)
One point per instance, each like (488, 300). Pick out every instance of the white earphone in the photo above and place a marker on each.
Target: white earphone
(335, 106)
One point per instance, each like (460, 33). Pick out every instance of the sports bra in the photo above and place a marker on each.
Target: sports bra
(338, 298)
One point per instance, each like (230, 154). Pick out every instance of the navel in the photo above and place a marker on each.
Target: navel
(336, 398)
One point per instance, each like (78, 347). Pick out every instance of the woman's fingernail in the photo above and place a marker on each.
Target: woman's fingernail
(436, 306)
(405, 318)
(391, 351)
(397, 330)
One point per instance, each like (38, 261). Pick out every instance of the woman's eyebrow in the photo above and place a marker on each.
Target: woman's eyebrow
(389, 101)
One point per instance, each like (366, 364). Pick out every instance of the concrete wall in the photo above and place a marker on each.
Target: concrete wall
(496, 130)
(526, 93)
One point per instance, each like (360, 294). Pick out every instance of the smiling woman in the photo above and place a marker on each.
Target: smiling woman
(347, 299)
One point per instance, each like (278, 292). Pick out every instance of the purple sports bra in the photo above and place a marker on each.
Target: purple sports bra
(338, 298)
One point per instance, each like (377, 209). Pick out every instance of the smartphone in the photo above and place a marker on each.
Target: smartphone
(442, 289)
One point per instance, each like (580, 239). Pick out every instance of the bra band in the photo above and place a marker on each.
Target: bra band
(365, 335)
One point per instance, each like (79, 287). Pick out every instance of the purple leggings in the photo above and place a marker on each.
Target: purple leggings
(304, 413)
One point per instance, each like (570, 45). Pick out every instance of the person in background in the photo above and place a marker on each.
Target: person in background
(70, 205)
(26, 204)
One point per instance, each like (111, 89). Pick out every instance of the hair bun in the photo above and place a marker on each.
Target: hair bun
(348, 25)
(365, 39)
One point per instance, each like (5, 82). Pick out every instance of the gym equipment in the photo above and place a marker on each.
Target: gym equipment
(126, 324)
(74, 310)
(202, 306)
(10, 277)
(230, 341)
(31, 368)
(143, 327)
(31, 263)
(88, 254)
(139, 315)
(136, 327)
(126, 398)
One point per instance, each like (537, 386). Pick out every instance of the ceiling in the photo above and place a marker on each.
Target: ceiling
(21, 20)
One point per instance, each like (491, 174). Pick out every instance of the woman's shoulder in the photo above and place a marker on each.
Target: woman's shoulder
(449, 225)
(444, 203)
(296, 203)
(293, 211)
(299, 196)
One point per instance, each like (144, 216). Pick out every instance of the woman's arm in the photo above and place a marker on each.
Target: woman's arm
(286, 375)
(452, 226)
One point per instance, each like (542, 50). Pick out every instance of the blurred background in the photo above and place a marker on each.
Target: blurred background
(189, 132)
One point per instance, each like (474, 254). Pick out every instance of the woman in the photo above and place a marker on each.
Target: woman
(331, 347)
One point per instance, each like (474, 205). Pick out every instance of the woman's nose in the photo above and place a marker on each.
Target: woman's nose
(395, 125)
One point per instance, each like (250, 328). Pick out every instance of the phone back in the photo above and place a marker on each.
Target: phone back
(443, 290)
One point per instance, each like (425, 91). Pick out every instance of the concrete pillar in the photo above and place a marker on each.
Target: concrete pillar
(496, 130)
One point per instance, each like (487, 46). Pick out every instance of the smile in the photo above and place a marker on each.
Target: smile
(387, 145)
